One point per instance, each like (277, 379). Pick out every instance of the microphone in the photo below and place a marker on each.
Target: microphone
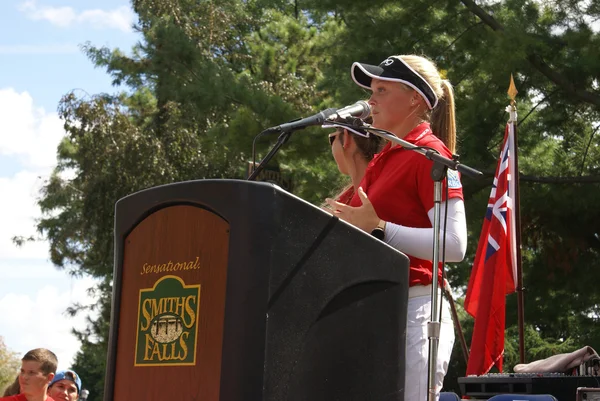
(360, 109)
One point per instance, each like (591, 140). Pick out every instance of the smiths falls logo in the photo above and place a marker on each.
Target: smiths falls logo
(168, 323)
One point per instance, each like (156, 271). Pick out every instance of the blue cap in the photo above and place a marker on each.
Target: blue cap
(67, 375)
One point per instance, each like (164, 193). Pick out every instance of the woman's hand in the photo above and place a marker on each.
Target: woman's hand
(363, 217)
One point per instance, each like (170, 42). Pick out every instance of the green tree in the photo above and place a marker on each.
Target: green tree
(208, 76)
(190, 113)
(90, 360)
(9, 365)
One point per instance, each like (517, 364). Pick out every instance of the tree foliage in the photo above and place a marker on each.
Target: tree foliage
(9, 365)
(208, 76)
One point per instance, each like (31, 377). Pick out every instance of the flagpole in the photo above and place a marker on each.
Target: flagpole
(512, 93)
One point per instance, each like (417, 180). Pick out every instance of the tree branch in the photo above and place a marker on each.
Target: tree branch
(536, 106)
(537, 61)
(587, 149)
(484, 16)
(461, 35)
(591, 179)
(560, 80)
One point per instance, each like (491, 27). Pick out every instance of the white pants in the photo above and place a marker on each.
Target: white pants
(417, 348)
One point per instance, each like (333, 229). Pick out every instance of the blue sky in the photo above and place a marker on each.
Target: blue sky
(40, 61)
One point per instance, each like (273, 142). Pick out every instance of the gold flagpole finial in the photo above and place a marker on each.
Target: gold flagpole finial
(512, 91)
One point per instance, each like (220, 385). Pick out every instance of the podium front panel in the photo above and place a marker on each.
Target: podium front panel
(173, 300)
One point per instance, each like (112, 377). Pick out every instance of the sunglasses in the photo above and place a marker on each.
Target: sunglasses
(332, 137)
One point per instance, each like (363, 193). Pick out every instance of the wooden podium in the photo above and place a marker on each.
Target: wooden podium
(229, 290)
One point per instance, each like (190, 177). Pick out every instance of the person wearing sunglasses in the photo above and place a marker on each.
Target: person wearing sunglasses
(352, 154)
(393, 198)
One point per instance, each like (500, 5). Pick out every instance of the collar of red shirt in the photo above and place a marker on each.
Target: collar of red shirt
(414, 136)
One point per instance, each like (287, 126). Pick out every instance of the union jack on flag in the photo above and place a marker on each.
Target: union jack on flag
(495, 266)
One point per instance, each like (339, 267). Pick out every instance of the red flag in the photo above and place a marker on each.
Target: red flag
(494, 269)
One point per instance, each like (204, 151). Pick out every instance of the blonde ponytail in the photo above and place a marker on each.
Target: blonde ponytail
(442, 117)
(443, 120)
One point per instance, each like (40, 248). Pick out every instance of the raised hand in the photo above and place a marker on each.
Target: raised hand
(363, 217)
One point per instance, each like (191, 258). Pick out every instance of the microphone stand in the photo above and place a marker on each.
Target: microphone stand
(281, 140)
(439, 169)
(286, 130)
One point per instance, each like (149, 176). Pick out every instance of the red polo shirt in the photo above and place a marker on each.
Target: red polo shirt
(399, 185)
(21, 397)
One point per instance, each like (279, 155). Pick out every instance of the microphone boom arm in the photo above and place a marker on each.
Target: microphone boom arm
(431, 154)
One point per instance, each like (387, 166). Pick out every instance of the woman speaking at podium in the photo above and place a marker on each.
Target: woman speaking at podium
(392, 195)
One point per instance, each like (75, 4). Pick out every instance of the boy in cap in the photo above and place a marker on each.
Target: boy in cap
(65, 386)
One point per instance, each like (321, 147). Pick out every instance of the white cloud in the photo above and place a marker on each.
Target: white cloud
(39, 320)
(120, 18)
(30, 136)
(38, 49)
(18, 211)
(34, 295)
(28, 132)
